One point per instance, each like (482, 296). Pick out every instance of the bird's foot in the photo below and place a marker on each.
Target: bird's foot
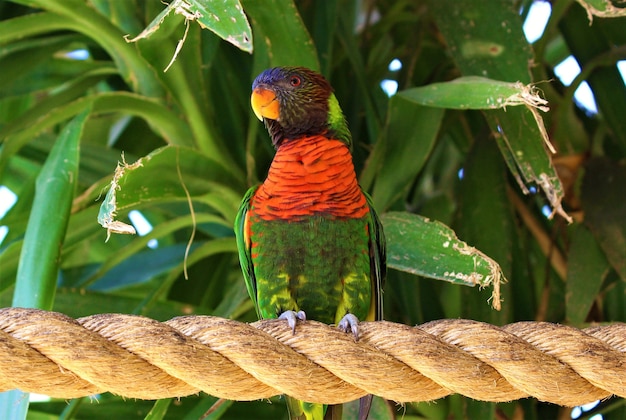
(292, 317)
(349, 323)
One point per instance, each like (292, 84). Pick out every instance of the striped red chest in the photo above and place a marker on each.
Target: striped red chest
(310, 176)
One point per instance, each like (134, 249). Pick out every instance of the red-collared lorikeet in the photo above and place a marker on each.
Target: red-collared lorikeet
(310, 243)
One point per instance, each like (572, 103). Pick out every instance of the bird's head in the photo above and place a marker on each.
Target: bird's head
(295, 102)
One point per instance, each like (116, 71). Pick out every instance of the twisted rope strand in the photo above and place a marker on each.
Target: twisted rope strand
(137, 357)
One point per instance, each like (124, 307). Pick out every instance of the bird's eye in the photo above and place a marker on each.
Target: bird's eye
(295, 81)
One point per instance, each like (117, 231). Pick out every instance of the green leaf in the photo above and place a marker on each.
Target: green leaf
(9, 260)
(281, 38)
(39, 261)
(141, 267)
(485, 40)
(159, 410)
(409, 138)
(64, 94)
(78, 16)
(521, 136)
(38, 268)
(484, 219)
(167, 174)
(80, 302)
(380, 410)
(604, 204)
(474, 92)
(489, 42)
(161, 119)
(588, 44)
(227, 20)
(139, 244)
(428, 248)
(19, 28)
(30, 59)
(587, 269)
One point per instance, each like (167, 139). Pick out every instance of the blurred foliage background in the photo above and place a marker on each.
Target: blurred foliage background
(74, 96)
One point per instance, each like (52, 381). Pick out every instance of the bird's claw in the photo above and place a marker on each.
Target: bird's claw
(349, 324)
(292, 317)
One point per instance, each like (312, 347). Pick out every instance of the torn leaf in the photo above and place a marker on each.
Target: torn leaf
(512, 111)
(170, 174)
(474, 92)
(225, 18)
(428, 248)
(521, 137)
(108, 209)
(601, 8)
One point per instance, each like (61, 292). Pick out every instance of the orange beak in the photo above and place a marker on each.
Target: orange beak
(264, 104)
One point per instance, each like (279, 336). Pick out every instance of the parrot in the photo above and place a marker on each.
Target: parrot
(310, 243)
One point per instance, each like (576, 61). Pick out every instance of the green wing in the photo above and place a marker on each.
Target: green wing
(378, 261)
(243, 246)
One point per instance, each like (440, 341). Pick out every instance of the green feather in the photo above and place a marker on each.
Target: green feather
(337, 122)
(325, 266)
(243, 247)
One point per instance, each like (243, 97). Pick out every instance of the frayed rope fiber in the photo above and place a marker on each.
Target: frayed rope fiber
(137, 357)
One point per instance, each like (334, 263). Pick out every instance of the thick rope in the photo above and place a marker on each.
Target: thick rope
(137, 357)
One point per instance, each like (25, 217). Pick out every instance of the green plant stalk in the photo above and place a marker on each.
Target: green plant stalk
(37, 272)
